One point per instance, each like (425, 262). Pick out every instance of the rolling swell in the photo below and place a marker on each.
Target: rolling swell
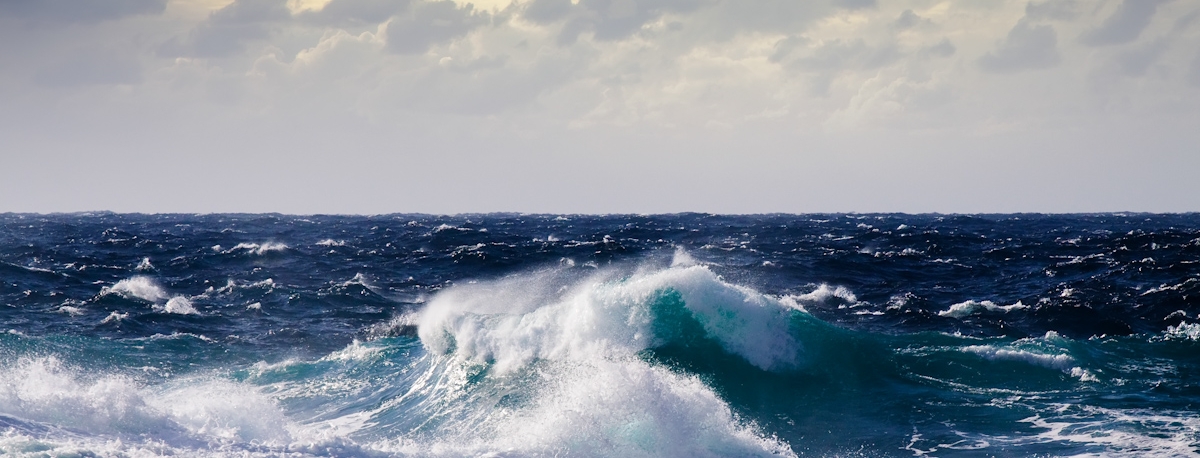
(528, 335)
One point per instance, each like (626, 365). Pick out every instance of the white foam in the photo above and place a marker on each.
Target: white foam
(331, 243)
(515, 322)
(1184, 331)
(356, 351)
(1121, 432)
(968, 308)
(255, 248)
(136, 287)
(612, 408)
(145, 265)
(682, 258)
(41, 389)
(223, 409)
(1060, 361)
(825, 294)
(213, 411)
(179, 305)
(114, 317)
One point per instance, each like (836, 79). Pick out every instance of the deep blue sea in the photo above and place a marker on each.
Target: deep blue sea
(513, 335)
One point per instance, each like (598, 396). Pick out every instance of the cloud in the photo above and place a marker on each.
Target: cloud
(57, 12)
(1125, 24)
(227, 30)
(826, 61)
(943, 48)
(855, 4)
(429, 23)
(1061, 10)
(1135, 62)
(908, 19)
(607, 20)
(351, 12)
(1027, 47)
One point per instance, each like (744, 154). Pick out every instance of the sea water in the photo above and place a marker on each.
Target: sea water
(572, 335)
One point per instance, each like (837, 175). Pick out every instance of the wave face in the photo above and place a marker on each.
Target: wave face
(544, 335)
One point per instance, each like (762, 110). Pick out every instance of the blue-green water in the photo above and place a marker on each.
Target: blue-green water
(534, 335)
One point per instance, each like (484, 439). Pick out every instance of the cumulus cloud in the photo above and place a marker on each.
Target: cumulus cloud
(1124, 25)
(1063, 10)
(356, 12)
(908, 19)
(428, 23)
(1027, 47)
(607, 20)
(226, 31)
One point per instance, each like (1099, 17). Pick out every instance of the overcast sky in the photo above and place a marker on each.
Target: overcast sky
(599, 106)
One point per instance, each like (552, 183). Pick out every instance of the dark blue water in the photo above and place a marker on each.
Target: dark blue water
(545, 335)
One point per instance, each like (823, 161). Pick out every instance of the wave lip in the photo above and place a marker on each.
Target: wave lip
(511, 324)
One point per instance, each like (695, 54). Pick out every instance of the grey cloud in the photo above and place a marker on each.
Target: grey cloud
(855, 55)
(1136, 62)
(907, 20)
(1125, 25)
(607, 19)
(100, 67)
(487, 85)
(943, 48)
(1027, 47)
(547, 11)
(825, 62)
(854, 4)
(429, 23)
(357, 11)
(1062, 10)
(60, 11)
(227, 30)
(728, 18)
(785, 47)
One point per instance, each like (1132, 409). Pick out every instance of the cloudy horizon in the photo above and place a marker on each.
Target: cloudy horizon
(599, 106)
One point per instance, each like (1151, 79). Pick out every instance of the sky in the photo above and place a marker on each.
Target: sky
(599, 106)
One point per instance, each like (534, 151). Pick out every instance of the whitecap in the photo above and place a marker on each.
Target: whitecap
(255, 248)
(824, 294)
(1061, 362)
(972, 307)
(1183, 331)
(179, 305)
(136, 287)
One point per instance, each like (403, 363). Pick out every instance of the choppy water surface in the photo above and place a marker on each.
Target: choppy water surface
(534, 335)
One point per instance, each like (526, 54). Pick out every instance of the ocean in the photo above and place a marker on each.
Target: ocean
(514, 335)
